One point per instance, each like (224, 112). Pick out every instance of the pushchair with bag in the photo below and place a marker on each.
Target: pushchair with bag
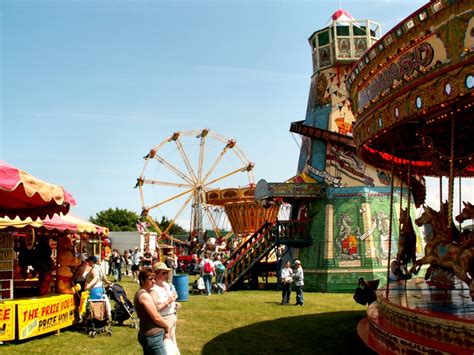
(198, 286)
(98, 317)
(123, 308)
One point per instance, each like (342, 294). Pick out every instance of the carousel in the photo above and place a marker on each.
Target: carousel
(39, 244)
(412, 95)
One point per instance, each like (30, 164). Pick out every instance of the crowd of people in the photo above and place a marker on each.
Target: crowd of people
(129, 262)
(155, 301)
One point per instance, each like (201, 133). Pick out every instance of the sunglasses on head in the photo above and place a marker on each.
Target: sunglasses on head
(162, 273)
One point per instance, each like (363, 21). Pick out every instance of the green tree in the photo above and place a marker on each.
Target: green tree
(116, 219)
(175, 228)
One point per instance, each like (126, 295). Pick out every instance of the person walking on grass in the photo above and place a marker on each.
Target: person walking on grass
(117, 262)
(286, 281)
(220, 271)
(207, 271)
(136, 257)
(299, 283)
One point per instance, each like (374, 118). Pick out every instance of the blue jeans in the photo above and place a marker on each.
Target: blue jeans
(153, 344)
(207, 283)
(285, 293)
(299, 295)
(118, 272)
(219, 281)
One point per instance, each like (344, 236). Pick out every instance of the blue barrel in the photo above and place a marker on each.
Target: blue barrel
(181, 283)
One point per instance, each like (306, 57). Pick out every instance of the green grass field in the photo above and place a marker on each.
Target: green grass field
(238, 322)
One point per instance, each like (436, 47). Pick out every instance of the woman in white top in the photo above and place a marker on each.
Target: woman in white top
(164, 296)
(95, 279)
(95, 283)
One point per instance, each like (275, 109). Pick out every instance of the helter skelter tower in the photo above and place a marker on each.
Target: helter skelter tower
(350, 225)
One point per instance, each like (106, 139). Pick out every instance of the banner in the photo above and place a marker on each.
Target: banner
(44, 315)
(7, 321)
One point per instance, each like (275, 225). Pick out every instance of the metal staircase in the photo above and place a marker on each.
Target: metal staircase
(261, 243)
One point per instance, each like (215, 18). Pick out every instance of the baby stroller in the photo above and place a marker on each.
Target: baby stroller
(98, 316)
(198, 286)
(123, 308)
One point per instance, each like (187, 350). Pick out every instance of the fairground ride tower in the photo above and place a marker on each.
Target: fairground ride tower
(349, 225)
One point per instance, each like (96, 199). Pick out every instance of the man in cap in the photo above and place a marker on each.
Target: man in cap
(299, 283)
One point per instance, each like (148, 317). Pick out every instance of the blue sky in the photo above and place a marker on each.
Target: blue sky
(88, 87)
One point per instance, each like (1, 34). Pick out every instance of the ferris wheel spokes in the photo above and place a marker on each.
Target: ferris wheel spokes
(169, 199)
(173, 168)
(185, 159)
(202, 143)
(165, 183)
(182, 181)
(239, 170)
(178, 214)
(218, 160)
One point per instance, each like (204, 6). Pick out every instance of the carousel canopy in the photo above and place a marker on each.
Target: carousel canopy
(22, 195)
(413, 94)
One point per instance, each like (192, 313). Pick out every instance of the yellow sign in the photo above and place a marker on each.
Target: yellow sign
(7, 321)
(44, 315)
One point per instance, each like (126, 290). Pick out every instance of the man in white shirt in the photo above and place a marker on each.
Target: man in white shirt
(136, 256)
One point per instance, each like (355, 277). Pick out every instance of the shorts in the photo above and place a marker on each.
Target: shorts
(135, 267)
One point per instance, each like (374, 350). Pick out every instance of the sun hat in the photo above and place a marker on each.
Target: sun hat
(297, 262)
(160, 266)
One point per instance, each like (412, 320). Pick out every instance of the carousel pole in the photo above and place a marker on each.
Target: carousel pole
(460, 207)
(409, 184)
(401, 195)
(451, 182)
(440, 191)
(408, 207)
(392, 172)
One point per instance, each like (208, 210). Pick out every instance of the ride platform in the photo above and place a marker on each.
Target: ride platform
(418, 319)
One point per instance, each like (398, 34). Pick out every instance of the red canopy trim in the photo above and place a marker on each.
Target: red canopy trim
(23, 195)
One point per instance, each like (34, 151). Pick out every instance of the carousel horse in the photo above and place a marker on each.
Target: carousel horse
(406, 239)
(440, 251)
(466, 213)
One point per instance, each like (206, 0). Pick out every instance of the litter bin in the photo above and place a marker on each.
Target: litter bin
(181, 284)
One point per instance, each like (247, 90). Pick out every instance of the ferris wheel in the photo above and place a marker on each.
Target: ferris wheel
(181, 169)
